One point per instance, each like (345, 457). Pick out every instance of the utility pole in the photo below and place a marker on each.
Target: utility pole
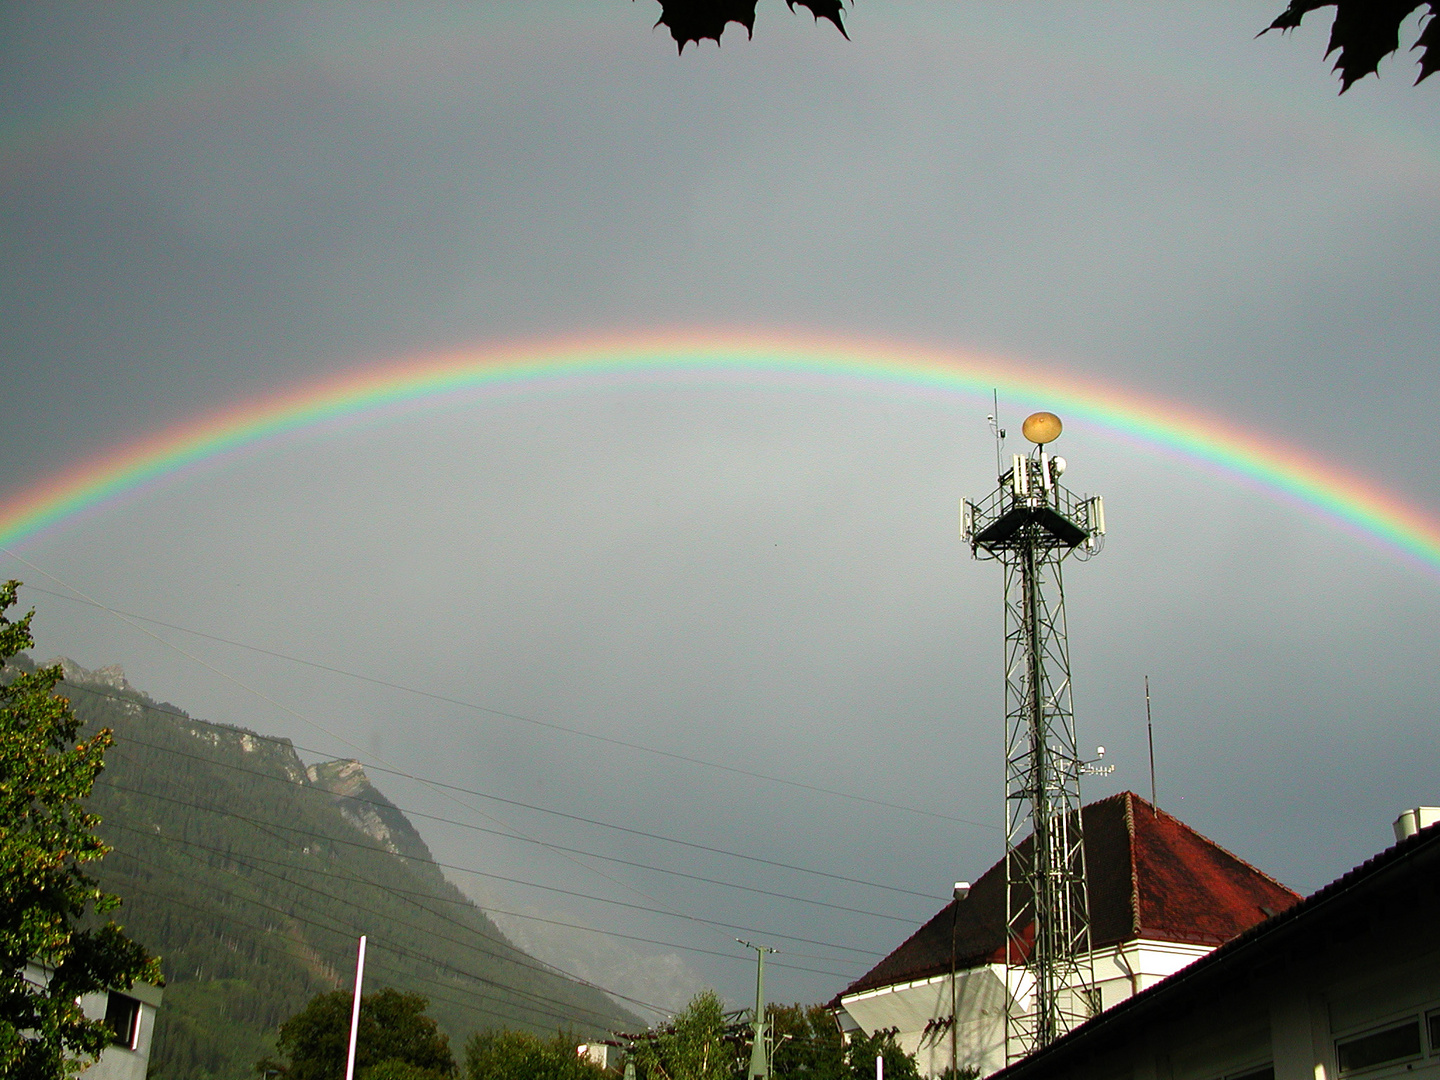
(1030, 524)
(760, 1051)
(355, 1010)
(960, 892)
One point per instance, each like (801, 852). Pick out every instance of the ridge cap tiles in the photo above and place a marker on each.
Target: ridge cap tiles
(1134, 866)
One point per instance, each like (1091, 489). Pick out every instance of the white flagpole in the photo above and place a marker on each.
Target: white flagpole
(355, 1010)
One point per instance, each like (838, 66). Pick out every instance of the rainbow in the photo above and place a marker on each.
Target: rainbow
(1351, 502)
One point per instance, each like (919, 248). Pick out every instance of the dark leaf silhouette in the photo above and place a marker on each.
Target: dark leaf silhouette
(1367, 31)
(698, 20)
(823, 9)
(1429, 44)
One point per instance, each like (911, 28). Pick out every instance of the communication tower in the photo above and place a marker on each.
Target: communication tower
(1030, 523)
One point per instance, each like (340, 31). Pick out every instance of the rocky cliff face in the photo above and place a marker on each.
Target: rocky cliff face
(362, 805)
(112, 676)
(110, 682)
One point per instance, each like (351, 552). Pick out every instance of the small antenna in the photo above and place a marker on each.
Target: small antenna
(1150, 733)
(995, 428)
(1094, 768)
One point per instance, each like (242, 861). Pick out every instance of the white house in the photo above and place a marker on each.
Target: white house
(130, 1016)
(1161, 896)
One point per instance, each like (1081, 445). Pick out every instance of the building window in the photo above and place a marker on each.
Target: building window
(122, 1017)
(1267, 1073)
(1433, 1022)
(1379, 1047)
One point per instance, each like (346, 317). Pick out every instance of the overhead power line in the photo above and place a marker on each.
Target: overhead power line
(519, 957)
(476, 1005)
(464, 901)
(687, 948)
(518, 881)
(506, 715)
(487, 910)
(513, 802)
(557, 847)
(536, 966)
(231, 920)
(342, 739)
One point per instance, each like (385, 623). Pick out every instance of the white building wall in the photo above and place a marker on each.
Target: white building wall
(1296, 1017)
(119, 1062)
(911, 1007)
(1137, 965)
(115, 1062)
(921, 1010)
(594, 1053)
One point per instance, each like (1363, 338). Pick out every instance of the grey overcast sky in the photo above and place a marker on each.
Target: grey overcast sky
(205, 203)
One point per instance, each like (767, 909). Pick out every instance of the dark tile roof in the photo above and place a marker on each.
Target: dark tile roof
(1150, 875)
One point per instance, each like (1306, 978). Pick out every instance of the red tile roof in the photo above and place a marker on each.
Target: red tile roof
(1150, 876)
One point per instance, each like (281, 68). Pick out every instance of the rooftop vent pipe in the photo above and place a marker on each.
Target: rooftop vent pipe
(1412, 821)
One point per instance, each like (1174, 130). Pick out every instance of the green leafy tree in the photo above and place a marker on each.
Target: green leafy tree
(51, 950)
(395, 1069)
(808, 1046)
(396, 1040)
(807, 1043)
(696, 1045)
(700, 1045)
(864, 1049)
(518, 1055)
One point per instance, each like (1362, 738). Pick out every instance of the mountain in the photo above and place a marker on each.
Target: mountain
(663, 978)
(252, 876)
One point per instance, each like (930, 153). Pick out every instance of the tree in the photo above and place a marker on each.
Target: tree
(697, 1045)
(860, 1056)
(51, 951)
(807, 1043)
(518, 1055)
(395, 1069)
(396, 1040)
(808, 1046)
(1367, 31)
(696, 20)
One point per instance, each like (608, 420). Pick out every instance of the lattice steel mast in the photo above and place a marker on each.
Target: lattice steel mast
(1031, 524)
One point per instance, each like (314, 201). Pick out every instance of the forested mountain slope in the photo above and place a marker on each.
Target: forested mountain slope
(252, 878)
